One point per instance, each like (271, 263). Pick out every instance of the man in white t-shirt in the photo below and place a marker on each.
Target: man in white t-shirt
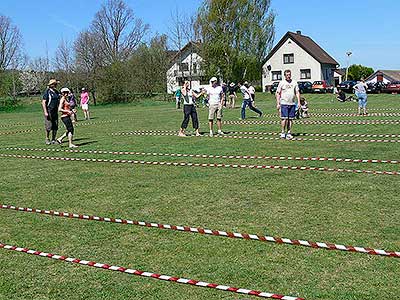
(215, 100)
(286, 95)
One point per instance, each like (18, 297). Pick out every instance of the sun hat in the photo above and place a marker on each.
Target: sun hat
(52, 82)
(65, 90)
(213, 79)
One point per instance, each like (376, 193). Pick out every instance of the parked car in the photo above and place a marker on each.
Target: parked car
(392, 88)
(273, 87)
(305, 87)
(375, 87)
(321, 87)
(347, 86)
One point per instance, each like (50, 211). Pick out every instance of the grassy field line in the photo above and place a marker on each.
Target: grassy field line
(317, 122)
(265, 138)
(277, 133)
(147, 274)
(212, 156)
(200, 230)
(203, 165)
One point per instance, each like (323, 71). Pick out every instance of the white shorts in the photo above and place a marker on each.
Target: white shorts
(85, 106)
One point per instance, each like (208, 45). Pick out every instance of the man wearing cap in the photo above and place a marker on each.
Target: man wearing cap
(215, 100)
(286, 95)
(50, 102)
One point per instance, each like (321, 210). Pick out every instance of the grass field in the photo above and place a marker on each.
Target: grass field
(321, 206)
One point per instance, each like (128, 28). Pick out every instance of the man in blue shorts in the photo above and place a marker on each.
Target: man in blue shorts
(286, 95)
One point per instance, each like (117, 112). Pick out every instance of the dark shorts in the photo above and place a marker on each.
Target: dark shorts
(51, 122)
(68, 124)
(288, 111)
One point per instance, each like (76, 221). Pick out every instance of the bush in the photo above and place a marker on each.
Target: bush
(9, 103)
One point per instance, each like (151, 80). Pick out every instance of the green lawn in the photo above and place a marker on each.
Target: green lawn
(343, 208)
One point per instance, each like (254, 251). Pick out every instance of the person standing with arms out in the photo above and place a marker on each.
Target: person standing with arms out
(286, 95)
(215, 103)
(50, 101)
(85, 103)
(178, 94)
(65, 109)
(247, 101)
(360, 90)
(189, 109)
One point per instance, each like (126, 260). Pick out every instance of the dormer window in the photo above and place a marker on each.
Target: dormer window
(288, 58)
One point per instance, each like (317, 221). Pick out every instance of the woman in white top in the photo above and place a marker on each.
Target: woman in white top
(360, 90)
(189, 109)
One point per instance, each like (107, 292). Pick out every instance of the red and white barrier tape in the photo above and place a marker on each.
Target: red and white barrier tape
(352, 109)
(318, 122)
(19, 131)
(246, 157)
(148, 274)
(248, 137)
(277, 134)
(344, 115)
(204, 165)
(200, 230)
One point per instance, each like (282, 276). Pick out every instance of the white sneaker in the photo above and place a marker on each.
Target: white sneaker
(181, 134)
(211, 134)
(198, 134)
(220, 132)
(289, 136)
(73, 146)
(48, 142)
(283, 135)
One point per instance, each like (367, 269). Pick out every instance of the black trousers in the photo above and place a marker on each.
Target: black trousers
(190, 111)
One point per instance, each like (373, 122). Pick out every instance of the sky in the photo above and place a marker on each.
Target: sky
(370, 29)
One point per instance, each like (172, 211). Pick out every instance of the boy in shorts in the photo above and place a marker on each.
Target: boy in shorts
(286, 95)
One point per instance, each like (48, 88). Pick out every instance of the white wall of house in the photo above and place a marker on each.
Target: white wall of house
(175, 76)
(338, 77)
(302, 60)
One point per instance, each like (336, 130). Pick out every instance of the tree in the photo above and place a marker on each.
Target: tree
(88, 59)
(148, 66)
(64, 63)
(118, 30)
(356, 72)
(10, 43)
(236, 35)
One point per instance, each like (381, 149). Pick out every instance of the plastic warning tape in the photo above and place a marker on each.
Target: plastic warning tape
(147, 274)
(19, 131)
(204, 165)
(318, 122)
(249, 137)
(200, 230)
(245, 157)
(311, 115)
(352, 109)
(277, 134)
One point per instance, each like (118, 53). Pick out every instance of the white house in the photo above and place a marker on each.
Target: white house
(302, 56)
(339, 76)
(385, 76)
(186, 65)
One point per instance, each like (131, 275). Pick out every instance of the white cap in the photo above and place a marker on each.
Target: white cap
(65, 90)
(213, 79)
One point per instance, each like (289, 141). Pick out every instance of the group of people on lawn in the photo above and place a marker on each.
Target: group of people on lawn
(287, 99)
(64, 102)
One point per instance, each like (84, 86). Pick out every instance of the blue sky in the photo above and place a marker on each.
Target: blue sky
(369, 28)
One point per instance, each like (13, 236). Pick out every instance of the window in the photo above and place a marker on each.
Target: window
(276, 75)
(305, 74)
(288, 58)
(184, 67)
(194, 68)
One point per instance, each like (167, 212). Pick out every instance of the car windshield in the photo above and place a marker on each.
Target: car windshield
(317, 82)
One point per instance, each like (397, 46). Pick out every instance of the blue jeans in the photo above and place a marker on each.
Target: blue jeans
(362, 99)
(248, 102)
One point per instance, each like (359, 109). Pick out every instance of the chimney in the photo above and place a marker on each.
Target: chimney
(298, 32)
